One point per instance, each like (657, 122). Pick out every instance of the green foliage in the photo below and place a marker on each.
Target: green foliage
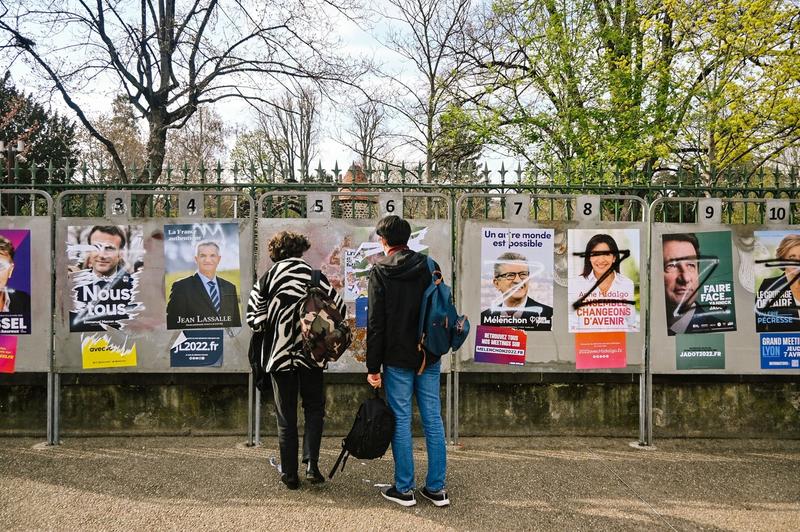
(48, 136)
(629, 85)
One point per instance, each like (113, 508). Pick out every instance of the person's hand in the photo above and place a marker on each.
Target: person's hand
(374, 380)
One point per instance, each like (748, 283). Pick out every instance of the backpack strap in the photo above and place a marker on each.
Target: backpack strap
(316, 276)
(342, 458)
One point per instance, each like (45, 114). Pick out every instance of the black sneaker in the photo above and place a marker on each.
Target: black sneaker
(438, 498)
(403, 499)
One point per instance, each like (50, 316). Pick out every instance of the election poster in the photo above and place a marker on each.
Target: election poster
(777, 281)
(780, 351)
(101, 350)
(603, 284)
(706, 351)
(600, 350)
(8, 353)
(500, 345)
(517, 278)
(201, 278)
(104, 263)
(15, 281)
(698, 282)
(194, 348)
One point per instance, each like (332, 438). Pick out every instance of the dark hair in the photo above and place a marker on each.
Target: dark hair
(287, 244)
(394, 229)
(109, 230)
(682, 237)
(7, 247)
(602, 238)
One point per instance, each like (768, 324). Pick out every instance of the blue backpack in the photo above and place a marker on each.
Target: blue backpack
(440, 326)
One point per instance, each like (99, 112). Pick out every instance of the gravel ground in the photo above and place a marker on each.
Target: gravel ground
(494, 484)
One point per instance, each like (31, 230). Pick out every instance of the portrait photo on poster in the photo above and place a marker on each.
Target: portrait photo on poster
(15, 281)
(776, 255)
(202, 275)
(698, 282)
(104, 265)
(517, 278)
(603, 284)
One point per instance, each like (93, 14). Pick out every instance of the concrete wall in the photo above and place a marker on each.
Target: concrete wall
(491, 404)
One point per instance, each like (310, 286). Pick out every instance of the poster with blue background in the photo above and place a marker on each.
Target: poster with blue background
(15, 281)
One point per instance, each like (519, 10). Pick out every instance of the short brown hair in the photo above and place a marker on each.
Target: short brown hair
(287, 244)
(7, 247)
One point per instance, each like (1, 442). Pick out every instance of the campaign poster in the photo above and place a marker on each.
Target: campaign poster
(517, 278)
(600, 350)
(500, 345)
(698, 282)
(780, 351)
(356, 274)
(15, 281)
(99, 350)
(201, 275)
(705, 351)
(603, 285)
(777, 281)
(8, 353)
(104, 263)
(194, 348)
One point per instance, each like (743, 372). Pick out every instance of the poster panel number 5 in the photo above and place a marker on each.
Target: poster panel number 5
(318, 205)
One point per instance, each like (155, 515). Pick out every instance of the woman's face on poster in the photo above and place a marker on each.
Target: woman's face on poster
(6, 267)
(793, 253)
(601, 259)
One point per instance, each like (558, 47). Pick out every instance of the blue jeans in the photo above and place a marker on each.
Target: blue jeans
(401, 384)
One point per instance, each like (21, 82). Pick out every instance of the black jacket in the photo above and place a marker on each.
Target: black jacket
(190, 307)
(396, 285)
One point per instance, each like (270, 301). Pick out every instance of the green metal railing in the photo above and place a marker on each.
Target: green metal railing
(648, 185)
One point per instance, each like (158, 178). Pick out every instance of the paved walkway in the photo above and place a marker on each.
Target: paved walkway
(495, 484)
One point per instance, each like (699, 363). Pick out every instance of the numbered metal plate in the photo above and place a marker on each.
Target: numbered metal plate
(390, 203)
(709, 211)
(518, 207)
(318, 205)
(190, 204)
(587, 208)
(118, 203)
(778, 212)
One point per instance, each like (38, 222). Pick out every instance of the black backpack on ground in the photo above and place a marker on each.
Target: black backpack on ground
(371, 433)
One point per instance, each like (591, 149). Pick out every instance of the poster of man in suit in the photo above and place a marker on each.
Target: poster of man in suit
(104, 266)
(202, 278)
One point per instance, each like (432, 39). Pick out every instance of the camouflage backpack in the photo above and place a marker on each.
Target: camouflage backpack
(324, 331)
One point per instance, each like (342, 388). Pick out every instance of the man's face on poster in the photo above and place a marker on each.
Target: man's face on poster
(681, 276)
(105, 260)
(207, 259)
(512, 281)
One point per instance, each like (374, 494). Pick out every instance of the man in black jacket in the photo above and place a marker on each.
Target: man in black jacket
(203, 300)
(396, 285)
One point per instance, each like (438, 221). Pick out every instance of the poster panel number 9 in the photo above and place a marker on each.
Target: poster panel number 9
(709, 211)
